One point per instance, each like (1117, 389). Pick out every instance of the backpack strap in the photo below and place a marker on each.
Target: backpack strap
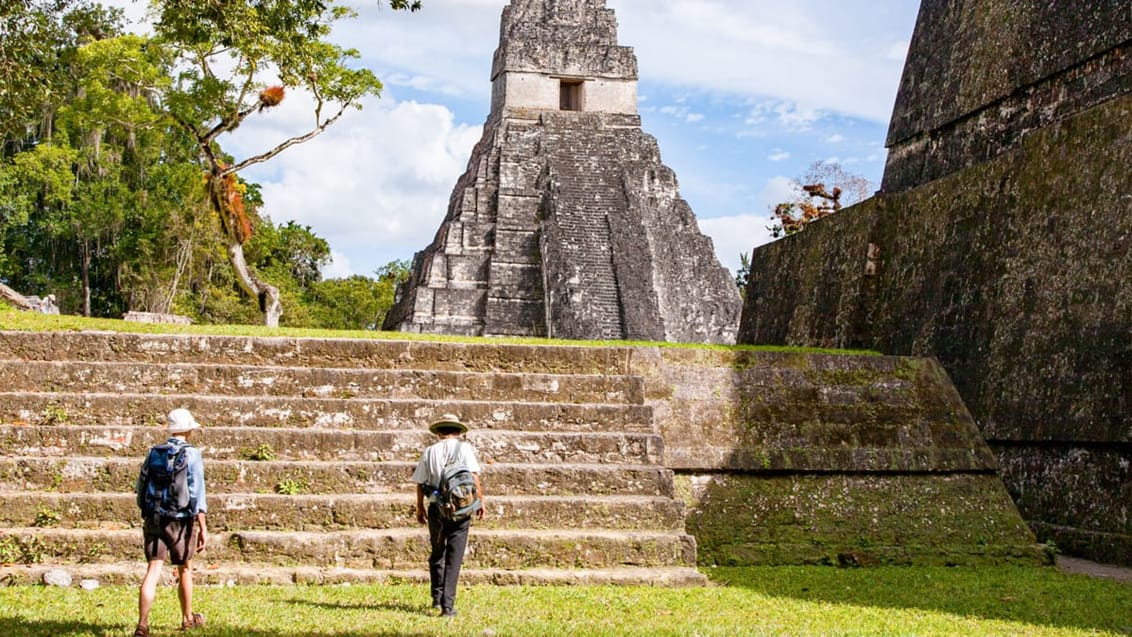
(448, 460)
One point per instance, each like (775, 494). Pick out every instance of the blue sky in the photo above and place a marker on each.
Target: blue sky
(742, 96)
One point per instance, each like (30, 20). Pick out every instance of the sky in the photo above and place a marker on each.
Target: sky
(742, 96)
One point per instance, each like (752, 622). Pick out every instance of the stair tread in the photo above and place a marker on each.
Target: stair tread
(357, 534)
(244, 572)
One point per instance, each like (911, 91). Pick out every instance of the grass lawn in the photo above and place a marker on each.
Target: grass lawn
(748, 601)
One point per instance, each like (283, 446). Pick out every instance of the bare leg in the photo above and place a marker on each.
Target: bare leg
(148, 591)
(185, 590)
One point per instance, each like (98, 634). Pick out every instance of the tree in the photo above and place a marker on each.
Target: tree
(224, 53)
(38, 38)
(743, 274)
(358, 302)
(823, 190)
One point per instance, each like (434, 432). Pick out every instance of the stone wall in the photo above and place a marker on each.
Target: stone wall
(1013, 273)
(983, 74)
(828, 459)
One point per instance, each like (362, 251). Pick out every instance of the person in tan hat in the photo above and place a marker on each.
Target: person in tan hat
(171, 495)
(448, 523)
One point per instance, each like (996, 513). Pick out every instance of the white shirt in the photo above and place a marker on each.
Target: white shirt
(434, 459)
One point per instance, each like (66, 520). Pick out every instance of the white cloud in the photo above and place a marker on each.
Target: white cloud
(835, 138)
(775, 191)
(339, 267)
(898, 51)
(736, 235)
(779, 155)
(819, 52)
(692, 118)
(790, 116)
(739, 234)
(375, 185)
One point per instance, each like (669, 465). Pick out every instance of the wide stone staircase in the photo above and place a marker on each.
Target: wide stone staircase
(309, 447)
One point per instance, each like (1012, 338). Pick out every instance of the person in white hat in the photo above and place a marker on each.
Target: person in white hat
(171, 495)
(449, 538)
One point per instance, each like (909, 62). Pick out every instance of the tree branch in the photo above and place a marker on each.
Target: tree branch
(287, 144)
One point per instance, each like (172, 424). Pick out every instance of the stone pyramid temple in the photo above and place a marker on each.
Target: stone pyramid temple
(566, 223)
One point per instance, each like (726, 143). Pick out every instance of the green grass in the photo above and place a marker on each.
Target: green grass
(753, 601)
(12, 319)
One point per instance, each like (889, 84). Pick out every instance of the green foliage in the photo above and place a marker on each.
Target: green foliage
(27, 550)
(54, 414)
(260, 453)
(359, 302)
(39, 37)
(743, 274)
(46, 518)
(290, 486)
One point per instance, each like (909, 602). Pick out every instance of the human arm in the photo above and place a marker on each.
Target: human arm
(422, 518)
(202, 533)
(198, 503)
(479, 490)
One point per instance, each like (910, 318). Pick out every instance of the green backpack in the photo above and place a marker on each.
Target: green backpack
(457, 496)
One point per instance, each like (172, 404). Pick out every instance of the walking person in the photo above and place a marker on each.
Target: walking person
(442, 465)
(171, 496)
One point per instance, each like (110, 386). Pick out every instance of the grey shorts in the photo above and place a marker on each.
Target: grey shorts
(170, 539)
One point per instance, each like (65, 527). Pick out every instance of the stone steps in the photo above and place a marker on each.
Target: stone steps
(128, 408)
(94, 474)
(399, 548)
(225, 574)
(318, 382)
(255, 443)
(309, 448)
(275, 512)
(312, 352)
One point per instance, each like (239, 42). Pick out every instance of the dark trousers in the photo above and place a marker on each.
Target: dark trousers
(449, 539)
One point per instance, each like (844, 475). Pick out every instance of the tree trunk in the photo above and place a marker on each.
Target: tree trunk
(267, 294)
(15, 297)
(223, 200)
(86, 278)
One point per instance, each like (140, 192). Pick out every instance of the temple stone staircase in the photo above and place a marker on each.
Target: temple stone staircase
(309, 446)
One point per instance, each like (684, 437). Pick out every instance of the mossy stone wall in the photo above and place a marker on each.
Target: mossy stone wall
(1015, 274)
(787, 458)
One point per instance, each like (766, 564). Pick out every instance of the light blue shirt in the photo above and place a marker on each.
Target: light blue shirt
(195, 480)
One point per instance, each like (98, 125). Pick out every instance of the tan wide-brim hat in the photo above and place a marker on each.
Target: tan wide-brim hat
(448, 420)
(181, 420)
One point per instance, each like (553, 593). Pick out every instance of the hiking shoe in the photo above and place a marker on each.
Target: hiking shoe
(448, 612)
(196, 621)
(436, 608)
(142, 631)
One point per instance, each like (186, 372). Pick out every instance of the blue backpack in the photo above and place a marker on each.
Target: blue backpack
(165, 475)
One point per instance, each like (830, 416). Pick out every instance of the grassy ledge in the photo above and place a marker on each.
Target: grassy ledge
(13, 319)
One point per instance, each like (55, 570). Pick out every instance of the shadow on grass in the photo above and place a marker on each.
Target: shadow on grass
(17, 627)
(1031, 595)
(398, 607)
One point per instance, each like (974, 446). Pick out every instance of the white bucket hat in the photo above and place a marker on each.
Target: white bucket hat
(181, 420)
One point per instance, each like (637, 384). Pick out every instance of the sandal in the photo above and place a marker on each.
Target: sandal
(196, 621)
(142, 631)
